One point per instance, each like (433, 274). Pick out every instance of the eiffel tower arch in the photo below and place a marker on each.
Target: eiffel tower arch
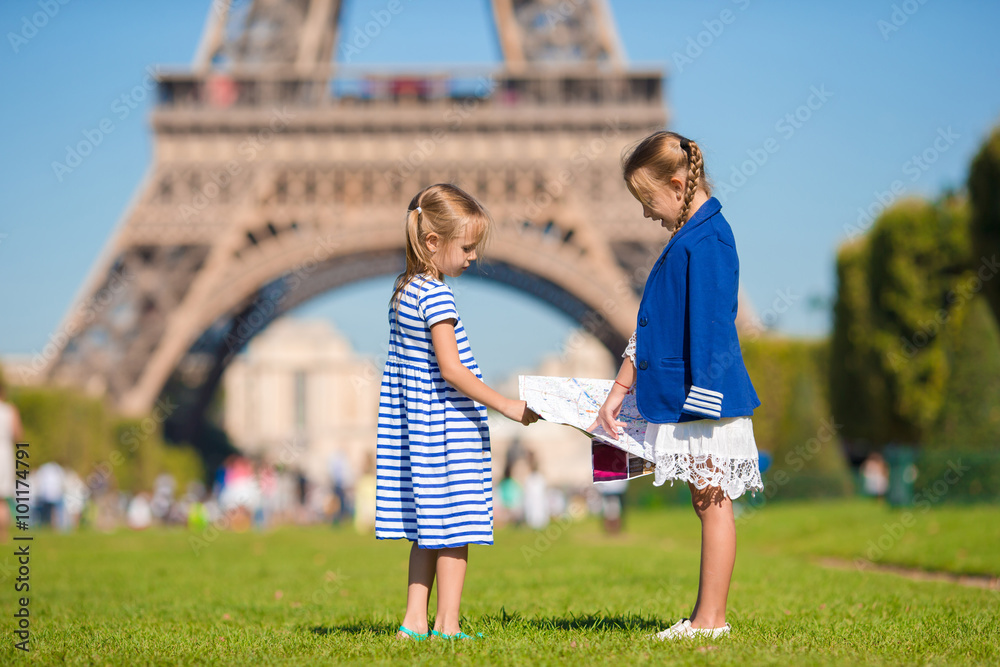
(279, 175)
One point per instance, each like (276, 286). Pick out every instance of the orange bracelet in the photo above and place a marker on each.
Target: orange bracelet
(621, 385)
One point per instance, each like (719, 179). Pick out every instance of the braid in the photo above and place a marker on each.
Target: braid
(696, 171)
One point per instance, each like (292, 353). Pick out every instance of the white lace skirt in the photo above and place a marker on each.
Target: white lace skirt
(707, 452)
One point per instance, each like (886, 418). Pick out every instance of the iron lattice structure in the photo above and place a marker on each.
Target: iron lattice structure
(279, 175)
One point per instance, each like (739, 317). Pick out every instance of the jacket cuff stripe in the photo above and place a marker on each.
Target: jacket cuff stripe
(707, 392)
(688, 407)
(706, 399)
(694, 400)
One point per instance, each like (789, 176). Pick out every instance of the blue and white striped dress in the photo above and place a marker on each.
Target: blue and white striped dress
(434, 467)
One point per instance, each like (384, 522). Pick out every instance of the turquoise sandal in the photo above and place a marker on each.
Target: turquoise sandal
(415, 636)
(457, 635)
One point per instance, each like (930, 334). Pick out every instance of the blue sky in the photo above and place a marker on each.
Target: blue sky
(807, 112)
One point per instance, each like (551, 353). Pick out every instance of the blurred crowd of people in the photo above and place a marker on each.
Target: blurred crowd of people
(245, 493)
(523, 496)
(248, 493)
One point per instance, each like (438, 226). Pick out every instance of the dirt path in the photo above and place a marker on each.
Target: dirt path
(972, 580)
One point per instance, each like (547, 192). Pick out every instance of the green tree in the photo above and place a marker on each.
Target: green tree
(970, 417)
(857, 395)
(793, 422)
(984, 194)
(81, 433)
(898, 289)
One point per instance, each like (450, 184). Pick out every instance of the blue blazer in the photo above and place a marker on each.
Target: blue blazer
(688, 359)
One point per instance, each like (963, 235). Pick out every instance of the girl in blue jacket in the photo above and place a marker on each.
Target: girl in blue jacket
(685, 365)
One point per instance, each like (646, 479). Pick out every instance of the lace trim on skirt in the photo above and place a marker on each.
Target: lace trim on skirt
(734, 476)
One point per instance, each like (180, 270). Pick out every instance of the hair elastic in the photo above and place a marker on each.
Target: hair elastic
(418, 210)
(685, 145)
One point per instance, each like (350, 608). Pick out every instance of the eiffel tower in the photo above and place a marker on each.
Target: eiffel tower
(279, 175)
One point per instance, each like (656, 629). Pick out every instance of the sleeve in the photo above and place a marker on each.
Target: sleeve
(630, 349)
(437, 304)
(712, 278)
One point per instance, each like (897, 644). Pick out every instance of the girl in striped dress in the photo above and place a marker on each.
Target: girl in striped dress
(434, 470)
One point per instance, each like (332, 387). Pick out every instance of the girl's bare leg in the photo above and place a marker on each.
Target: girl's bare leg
(418, 591)
(451, 566)
(718, 555)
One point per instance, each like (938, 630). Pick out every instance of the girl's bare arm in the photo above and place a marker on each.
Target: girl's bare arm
(607, 416)
(461, 378)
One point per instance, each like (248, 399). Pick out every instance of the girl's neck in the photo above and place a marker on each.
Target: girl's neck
(699, 199)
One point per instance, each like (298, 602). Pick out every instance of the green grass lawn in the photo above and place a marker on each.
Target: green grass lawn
(319, 595)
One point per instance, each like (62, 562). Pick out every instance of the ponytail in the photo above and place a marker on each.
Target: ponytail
(418, 258)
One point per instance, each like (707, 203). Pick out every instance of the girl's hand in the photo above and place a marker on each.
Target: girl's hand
(518, 411)
(607, 416)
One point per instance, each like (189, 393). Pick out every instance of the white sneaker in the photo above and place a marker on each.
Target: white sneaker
(682, 629)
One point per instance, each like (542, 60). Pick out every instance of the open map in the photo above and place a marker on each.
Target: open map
(575, 402)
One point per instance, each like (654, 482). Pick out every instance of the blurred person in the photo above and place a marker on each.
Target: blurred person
(75, 496)
(558, 502)
(219, 481)
(49, 488)
(536, 495)
(342, 481)
(268, 483)
(511, 497)
(875, 474)
(139, 515)
(365, 493)
(612, 504)
(11, 431)
(434, 461)
(286, 491)
(685, 365)
(302, 497)
(163, 496)
(103, 499)
(240, 490)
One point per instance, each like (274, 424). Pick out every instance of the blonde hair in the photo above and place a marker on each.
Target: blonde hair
(447, 211)
(651, 163)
